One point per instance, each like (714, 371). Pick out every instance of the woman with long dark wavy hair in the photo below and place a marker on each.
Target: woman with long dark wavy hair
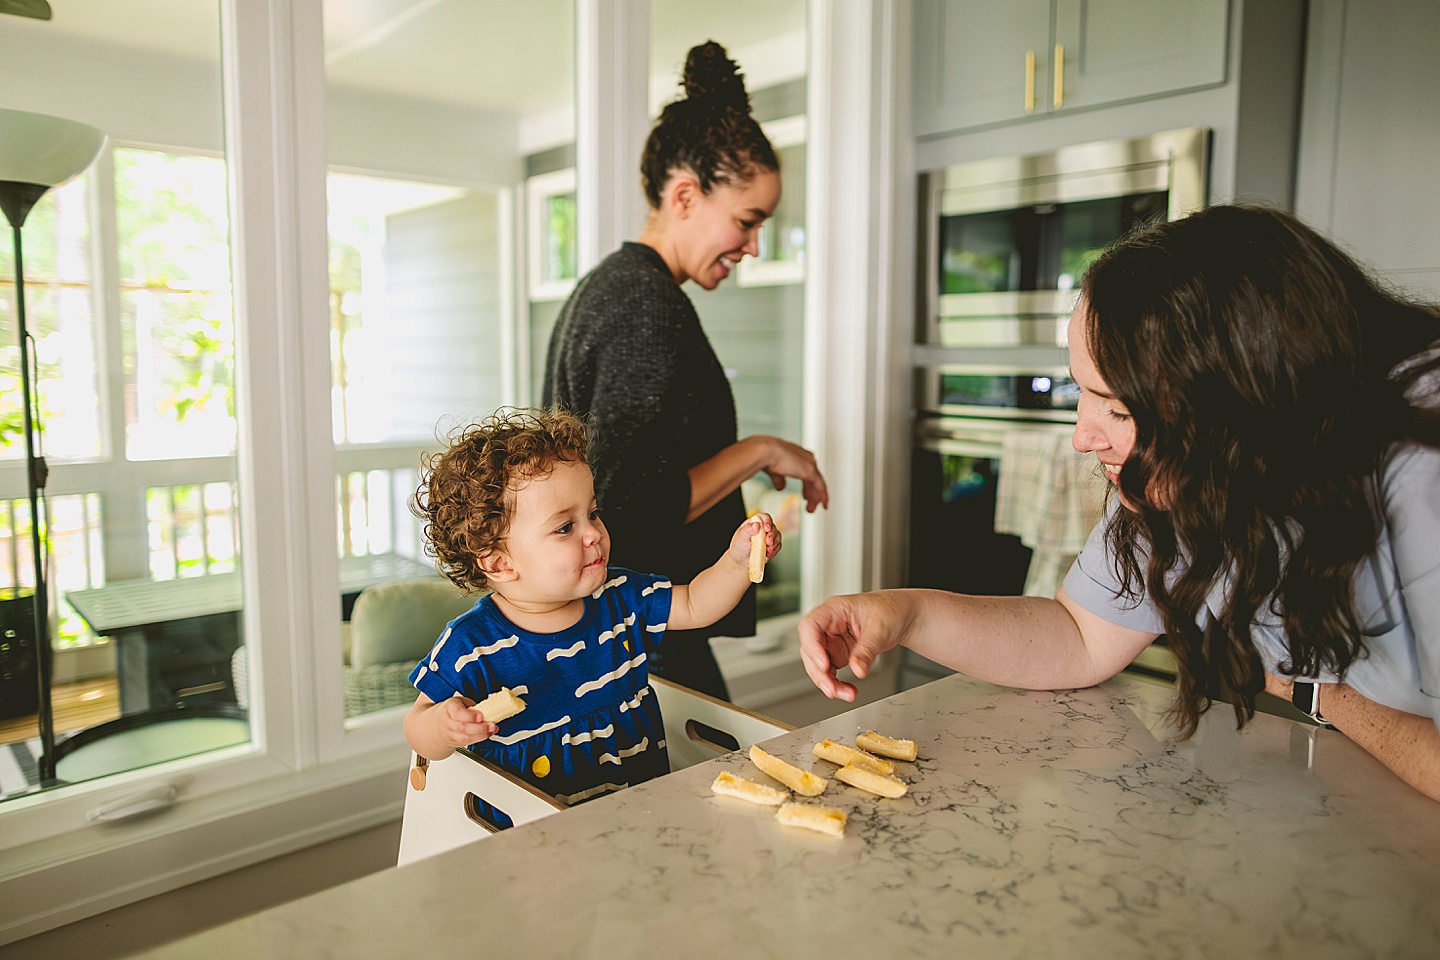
(1269, 418)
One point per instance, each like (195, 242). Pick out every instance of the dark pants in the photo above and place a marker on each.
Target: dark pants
(685, 658)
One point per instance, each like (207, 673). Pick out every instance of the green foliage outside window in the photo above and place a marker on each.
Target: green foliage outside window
(173, 226)
(560, 237)
(44, 278)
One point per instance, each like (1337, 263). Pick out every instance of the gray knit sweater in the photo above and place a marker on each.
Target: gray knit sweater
(628, 353)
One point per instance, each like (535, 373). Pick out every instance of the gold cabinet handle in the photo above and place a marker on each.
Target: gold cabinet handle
(1029, 81)
(1059, 74)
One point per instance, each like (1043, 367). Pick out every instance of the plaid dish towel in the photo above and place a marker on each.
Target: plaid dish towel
(1049, 496)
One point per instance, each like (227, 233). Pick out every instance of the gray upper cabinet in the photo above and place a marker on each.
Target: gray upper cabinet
(1370, 136)
(971, 61)
(980, 62)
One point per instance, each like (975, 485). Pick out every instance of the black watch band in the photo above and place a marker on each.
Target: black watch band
(1306, 698)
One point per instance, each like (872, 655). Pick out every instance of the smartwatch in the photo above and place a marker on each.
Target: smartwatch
(1305, 695)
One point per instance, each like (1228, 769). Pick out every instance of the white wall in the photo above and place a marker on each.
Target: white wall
(115, 89)
(369, 131)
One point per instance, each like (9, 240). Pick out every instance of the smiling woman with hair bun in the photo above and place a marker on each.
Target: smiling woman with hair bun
(629, 354)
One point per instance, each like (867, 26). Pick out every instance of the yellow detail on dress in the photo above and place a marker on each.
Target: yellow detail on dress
(627, 646)
(541, 767)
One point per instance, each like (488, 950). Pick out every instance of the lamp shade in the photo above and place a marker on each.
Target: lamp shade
(43, 150)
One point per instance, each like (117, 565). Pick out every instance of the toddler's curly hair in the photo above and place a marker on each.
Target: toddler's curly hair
(466, 494)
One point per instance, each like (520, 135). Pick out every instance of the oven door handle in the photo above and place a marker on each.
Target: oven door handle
(961, 448)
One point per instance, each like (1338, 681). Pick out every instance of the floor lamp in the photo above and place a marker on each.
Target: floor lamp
(37, 153)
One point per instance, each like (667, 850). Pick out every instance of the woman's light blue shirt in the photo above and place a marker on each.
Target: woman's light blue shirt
(1397, 593)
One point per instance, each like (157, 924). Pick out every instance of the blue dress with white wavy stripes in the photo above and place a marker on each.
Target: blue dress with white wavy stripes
(591, 724)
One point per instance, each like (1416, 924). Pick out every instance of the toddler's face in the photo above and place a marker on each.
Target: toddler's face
(557, 545)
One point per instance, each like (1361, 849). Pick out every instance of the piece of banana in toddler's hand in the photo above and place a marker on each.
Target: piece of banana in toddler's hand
(500, 705)
(757, 555)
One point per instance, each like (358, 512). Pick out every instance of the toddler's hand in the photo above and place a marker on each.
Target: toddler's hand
(740, 543)
(459, 725)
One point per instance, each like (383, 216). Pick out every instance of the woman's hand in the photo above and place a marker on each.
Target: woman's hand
(852, 631)
(792, 460)
(721, 475)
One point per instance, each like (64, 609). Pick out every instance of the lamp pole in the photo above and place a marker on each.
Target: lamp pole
(38, 152)
(17, 199)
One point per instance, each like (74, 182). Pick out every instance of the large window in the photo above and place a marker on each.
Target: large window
(174, 325)
(129, 305)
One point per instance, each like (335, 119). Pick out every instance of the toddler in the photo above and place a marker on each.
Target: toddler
(511, 506)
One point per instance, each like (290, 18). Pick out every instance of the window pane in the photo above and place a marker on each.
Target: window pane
(428, 142)
(73, 535)
(60, 317)
(128, 296)
(193, 530)
(551, 250)
(414, 306)
(560, 239)
(178, 331)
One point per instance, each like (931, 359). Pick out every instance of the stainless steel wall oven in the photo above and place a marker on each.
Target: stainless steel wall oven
(1006, 240)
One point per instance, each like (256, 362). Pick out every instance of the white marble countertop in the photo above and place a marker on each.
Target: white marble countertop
(1037, 825)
